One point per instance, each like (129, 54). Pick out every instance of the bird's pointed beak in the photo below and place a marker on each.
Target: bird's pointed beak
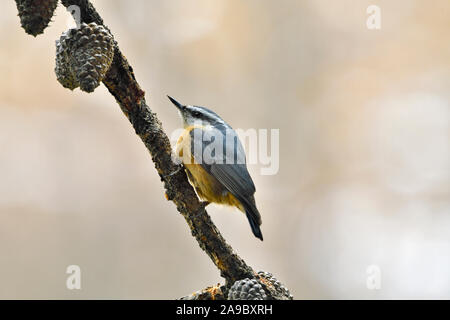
(176, 103)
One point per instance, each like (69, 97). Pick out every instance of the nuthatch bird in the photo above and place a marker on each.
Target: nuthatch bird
(222, 177)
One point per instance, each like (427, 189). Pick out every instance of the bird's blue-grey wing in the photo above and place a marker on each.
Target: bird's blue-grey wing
(228, 167)
(226, 164)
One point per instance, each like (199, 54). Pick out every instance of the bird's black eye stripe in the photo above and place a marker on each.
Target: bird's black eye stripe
(196, 114)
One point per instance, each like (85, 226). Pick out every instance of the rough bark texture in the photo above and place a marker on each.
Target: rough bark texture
(211, 293)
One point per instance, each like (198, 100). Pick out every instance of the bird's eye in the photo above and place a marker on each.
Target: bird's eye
(196, 114)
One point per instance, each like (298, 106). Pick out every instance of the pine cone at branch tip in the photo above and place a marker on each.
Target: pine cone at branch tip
(83, 56)
(280, 289)
(247, 289)
(35, 15)
(263, 287)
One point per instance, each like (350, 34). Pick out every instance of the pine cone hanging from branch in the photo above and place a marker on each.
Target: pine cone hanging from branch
(83, 56)
(35, 15)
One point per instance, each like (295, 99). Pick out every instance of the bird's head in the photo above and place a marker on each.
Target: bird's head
(192, 115)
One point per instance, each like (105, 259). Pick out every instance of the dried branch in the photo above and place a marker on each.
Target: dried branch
(122, 84)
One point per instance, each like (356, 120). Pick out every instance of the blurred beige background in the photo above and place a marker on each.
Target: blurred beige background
(364, 150)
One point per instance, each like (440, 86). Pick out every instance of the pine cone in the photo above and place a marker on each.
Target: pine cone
(63, 71)
(277, 285)
(35, 15)
(247, 289)
(83, 56)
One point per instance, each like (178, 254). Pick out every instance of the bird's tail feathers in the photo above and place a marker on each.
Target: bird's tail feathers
(254, 218)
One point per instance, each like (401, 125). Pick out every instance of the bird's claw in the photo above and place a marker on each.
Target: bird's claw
(202, 207)
(173, 172)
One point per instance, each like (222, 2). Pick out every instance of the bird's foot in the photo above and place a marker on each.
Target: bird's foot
(173, 172)
(201, 208)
